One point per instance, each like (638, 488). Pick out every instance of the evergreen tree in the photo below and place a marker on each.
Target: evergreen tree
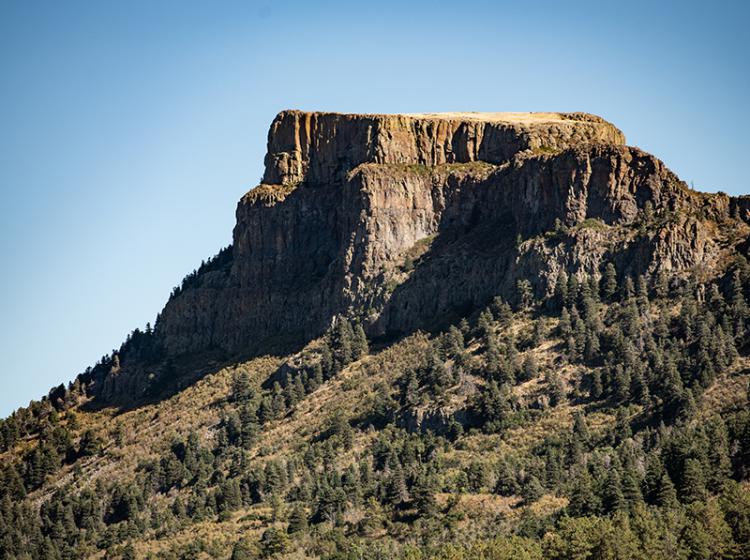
(739, 306)
(580, 427)
(621, 383)
(666, 496)
(341, 338)
(561, 289)
(525, 294)
(273, 541)
(622, 426)
(423, 493)
(693, 487)
(91, 444)
(661, 286)
(297, 519)
(529, 369)
(532, 489)
(484, 326)
(241, 387)
(719, 462)
(609, 282)
(278, 402)
(410, 393)
(614, 500)
(359, 341)
(597, 387)
(556, 388)
(244, 550)
(583, 500)
(628, 289)
(631, 488)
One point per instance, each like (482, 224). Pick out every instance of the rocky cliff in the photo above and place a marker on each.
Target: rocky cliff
(407, 221)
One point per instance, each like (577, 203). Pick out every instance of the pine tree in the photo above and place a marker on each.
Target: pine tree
(90, 445)
(561, 289)
(410, 395)
(298, 388)
(244, 550)
(423, 493)
(359, 341)
(273, 541)
(326, 360)
(484, 326)
(719, 462)
(693, 487)
(556, 388)
(622, 426)
(580, 427)
(609, 282)
(628, 289)
(642, 293)
(493, 359)
(341, 337)
(652, 479)
(494, 407)
(456, 345)
(396, 491)
(573, 291)
(621, 383)
(739, 306)
(631, 488)
(529, 369)
(12, 484)
(297, 519)
(231, 496)
(661, 286)
(241, 387)
(503, 312)
(565, 326)
(532, 489)
(265, 410)
(525, 294)
(583, 500)
(666, 496)
(597, 387)
(614, 500)
(538, 334)
(317, 379)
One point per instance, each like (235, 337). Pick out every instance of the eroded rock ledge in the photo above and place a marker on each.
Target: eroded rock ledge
(322, 147)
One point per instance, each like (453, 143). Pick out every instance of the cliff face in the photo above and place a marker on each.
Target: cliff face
(321, 148)
(406, 221)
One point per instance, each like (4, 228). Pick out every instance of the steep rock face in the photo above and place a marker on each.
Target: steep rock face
(409, 221)
(321, 148)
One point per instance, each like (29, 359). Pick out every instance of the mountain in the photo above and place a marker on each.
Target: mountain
(507, 331)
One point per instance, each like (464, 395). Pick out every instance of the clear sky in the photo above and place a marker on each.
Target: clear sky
(128, 130)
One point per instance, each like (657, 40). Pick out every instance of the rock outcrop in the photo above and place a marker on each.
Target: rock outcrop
(321, 148)
(408, 221)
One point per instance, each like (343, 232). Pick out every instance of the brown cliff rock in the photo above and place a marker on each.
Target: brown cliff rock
(320, 148)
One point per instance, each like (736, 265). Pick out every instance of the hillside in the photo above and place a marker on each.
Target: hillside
(456, 335)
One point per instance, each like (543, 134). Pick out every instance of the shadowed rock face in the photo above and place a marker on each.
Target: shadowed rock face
(408, 221)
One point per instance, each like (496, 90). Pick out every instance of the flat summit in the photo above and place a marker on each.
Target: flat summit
(312, 146)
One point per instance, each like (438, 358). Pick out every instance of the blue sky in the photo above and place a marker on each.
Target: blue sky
(129, 130)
